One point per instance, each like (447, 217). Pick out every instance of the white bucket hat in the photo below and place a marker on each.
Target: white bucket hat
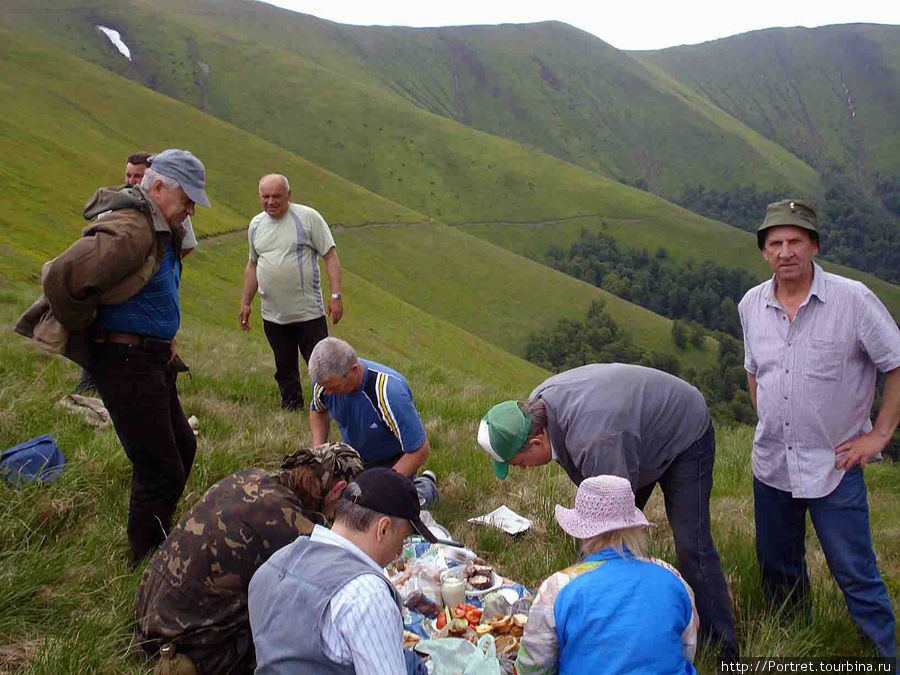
(602, 504)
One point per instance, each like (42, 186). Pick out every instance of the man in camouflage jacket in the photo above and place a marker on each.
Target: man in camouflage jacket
(193, 594)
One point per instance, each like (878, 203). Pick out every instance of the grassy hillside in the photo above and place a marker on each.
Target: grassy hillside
(573, 96)
(353, 99)
(65, 592)
(829, 95)
(66, 127)
(488, 291)
(702, 241)
(65, 120)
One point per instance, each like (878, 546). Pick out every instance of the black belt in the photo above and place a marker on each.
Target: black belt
(145, 342)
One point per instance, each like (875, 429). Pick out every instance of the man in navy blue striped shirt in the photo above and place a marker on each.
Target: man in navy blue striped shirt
(374, 409)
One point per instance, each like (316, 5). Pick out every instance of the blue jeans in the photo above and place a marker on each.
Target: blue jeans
(425, 487)
(686, 485)
(427, 491)
(841, 520)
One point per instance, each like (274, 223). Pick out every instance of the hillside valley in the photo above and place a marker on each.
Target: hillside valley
(462, 171)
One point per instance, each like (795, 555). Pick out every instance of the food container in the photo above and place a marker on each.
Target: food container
(453, 590)
(457, 572)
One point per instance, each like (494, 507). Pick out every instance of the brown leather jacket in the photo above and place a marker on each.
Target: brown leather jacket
(117, 255)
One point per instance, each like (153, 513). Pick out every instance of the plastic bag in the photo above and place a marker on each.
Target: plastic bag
(453, 656)
(38, 459)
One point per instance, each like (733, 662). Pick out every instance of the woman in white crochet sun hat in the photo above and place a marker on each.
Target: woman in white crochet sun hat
(614, 612)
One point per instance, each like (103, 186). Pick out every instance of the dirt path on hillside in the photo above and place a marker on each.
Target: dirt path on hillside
(340, 227)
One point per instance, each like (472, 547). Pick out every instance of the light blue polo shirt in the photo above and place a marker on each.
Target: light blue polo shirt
(379, 419)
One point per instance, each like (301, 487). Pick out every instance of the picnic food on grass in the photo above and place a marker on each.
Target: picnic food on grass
(477, 578)
(468, 622)
(507, 645)
(423, 604)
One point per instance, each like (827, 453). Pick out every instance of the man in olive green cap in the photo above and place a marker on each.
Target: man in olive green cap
(637, 423)
(193, 594)
(812, 344)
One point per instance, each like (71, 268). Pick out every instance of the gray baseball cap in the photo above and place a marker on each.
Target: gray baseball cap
(183, 167)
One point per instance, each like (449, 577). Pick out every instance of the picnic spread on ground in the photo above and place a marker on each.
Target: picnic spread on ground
(450, 594)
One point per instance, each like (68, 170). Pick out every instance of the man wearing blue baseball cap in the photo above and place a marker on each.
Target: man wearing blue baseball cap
(115, 290)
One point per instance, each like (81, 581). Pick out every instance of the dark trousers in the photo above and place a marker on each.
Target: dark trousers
(841, 520)
(286, 340)
(138, 389)
(85, 384)
(686, 485)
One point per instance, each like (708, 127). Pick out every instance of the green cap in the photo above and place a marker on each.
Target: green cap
(502, 433)
(794, 212)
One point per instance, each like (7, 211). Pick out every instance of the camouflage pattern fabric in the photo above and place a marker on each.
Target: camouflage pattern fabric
(194, 592)
(333, 461)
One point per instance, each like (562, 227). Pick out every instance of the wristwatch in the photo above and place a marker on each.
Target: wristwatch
(336, 296)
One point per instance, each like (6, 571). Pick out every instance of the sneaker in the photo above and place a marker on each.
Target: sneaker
(429, 474)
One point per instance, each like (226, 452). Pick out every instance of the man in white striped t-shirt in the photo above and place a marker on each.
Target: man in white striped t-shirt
(286, 241)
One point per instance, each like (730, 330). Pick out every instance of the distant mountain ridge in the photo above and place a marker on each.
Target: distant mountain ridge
(549, 85)
(830, 95)
(508, 123)
(769, 108)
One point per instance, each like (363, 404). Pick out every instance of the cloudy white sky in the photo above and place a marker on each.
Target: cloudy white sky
(628, 24)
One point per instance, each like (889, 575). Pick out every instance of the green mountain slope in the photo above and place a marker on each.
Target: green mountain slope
(66, 125)
(570, 94)
(284, 76)
(829, 95)
(723, 246)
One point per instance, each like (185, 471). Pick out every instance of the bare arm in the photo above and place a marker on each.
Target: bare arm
(319, 425)
(250, 288)
(863, 448)
(333, 269)
(409, 462)
(751, 385)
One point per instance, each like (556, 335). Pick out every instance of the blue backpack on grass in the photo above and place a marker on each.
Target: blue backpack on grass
(38, 459)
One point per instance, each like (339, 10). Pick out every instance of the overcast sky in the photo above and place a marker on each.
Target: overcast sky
(628, 24)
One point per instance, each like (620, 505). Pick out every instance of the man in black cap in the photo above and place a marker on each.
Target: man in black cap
(116, 290)
(812, 343)
(322, 604)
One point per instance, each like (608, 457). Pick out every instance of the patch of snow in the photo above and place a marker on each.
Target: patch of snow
(116, 39)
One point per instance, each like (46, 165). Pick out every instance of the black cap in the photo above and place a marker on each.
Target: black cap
(390, 493)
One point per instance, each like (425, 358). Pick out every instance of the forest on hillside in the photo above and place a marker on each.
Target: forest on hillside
(855, 229)
(704, 293)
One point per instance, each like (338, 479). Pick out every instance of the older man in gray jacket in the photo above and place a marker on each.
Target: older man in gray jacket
(638, 423)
